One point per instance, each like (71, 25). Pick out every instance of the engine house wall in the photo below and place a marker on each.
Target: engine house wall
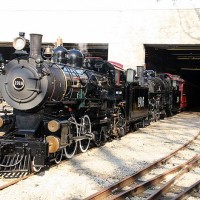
(125, 25)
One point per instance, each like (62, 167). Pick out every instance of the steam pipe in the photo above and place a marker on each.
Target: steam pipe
(140, 74)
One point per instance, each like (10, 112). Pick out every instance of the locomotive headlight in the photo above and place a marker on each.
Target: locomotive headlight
(53, 126)
(19, 43)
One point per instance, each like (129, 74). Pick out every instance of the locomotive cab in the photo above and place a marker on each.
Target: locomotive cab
(136, 96)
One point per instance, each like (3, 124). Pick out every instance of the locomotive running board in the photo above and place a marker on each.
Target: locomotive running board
(14, 166)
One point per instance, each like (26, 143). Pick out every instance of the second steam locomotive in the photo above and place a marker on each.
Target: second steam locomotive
(63, 105)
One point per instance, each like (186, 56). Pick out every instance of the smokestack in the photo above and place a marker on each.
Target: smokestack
(35, 46)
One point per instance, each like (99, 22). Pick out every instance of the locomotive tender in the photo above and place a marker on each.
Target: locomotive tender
(62, 105)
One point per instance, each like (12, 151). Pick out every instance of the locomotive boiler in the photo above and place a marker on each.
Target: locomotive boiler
(61, 104)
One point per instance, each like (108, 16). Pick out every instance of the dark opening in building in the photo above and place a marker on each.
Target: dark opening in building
(183, 60)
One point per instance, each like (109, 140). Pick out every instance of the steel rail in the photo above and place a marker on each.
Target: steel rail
(14, 181)
(152, 182)
(188, 191)
(104, 193)
(163, 190)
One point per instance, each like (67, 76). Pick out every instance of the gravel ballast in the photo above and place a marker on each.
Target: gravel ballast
(87, 173)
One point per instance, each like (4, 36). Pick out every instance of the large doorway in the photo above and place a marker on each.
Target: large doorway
(182, 60)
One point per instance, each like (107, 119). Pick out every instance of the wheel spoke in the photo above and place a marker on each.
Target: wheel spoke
(85, 129)
(70, 150)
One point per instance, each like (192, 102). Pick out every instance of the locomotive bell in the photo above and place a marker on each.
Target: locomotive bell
(48, 52)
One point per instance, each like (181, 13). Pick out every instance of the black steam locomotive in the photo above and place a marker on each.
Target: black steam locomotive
(64, 104)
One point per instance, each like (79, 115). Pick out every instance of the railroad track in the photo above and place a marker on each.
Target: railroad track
(111, 192)
(157, 180)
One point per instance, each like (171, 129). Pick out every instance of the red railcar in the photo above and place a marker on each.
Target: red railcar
(183, 102)
(179, 92)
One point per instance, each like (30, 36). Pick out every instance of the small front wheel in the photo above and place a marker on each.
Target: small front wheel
(34, 167)
(58, 156)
